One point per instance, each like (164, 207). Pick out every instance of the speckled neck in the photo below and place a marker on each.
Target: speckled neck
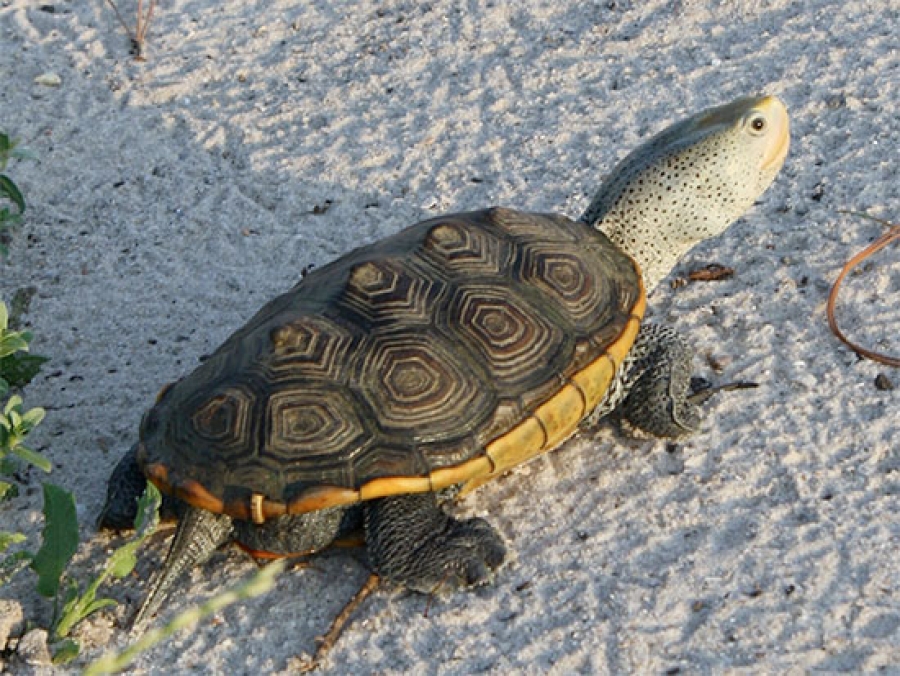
(690, 182)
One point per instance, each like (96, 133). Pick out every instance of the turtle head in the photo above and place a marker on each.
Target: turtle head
(691, 181)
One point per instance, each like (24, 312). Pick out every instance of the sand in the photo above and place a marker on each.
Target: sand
(173, 197)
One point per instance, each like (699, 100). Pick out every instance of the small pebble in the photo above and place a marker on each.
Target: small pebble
(882, 382)
(48, 80)
(11, 619)
(33, 648)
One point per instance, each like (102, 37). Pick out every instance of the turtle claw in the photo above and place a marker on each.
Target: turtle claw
(702, 389)
(472, 551)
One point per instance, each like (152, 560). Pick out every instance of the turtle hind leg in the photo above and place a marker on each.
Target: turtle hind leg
(657, 374)
(199, 534)
(410, 540)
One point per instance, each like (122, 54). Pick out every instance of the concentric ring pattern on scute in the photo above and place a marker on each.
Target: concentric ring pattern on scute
(420, 389)
(514, 341)
(401, 359)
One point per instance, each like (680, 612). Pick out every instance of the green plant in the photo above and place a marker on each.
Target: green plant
(261, 582)
(8, 189)
(10, 564)
(15, 422)
(15, 425)
(59, 542)
(121, 562)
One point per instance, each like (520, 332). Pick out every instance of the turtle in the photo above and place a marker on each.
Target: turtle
(390, 382)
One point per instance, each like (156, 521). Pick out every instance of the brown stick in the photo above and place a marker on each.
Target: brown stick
(327, 641)
(121, 19)
(891, 235)
(142, 25)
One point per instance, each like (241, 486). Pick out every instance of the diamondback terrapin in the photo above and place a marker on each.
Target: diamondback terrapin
(438, 358)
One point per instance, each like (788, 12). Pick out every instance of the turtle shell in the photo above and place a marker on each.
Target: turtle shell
(443, 355)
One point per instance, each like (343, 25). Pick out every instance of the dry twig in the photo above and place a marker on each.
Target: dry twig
(891, 235)
(337, 625)
(142, 24)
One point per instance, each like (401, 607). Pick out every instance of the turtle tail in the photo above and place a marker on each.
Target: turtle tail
(199, 534)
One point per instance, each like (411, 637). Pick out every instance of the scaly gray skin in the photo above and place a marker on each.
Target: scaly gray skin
(685, 185)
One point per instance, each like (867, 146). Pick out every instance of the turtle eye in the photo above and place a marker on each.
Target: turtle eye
(757, 124)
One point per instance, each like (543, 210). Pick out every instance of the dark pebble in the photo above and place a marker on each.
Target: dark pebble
(882, 382)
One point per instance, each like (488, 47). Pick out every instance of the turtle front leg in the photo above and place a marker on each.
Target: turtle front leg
(657, 382)
(126, 485)
(413, 542)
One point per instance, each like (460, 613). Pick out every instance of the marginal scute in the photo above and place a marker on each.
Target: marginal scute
(444, 355)
(379, 488)
(522, 442)
(450, 476)
(594, 380)
(322, 497)
(560, 415)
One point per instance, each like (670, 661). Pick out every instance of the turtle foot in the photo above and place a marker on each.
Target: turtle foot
(413, 542)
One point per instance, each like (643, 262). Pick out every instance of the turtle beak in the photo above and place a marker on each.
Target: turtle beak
(780, 135)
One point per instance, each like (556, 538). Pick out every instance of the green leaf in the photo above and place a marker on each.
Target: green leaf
(31, 419)
(14, 403)
(7, 539)
(20, 369)
(7, 217)
(60, 539)
(10, 342)
(7, 467)
(11, 191)
(123, 560)
(33, 457)
(99, 604)
(15, 426)
(147, 518)
(12, 564)
(23, 154)
(66, 651)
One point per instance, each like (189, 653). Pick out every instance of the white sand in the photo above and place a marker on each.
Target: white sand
(173, 197)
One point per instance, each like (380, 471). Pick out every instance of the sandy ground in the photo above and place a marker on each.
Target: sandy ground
(173, 197)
